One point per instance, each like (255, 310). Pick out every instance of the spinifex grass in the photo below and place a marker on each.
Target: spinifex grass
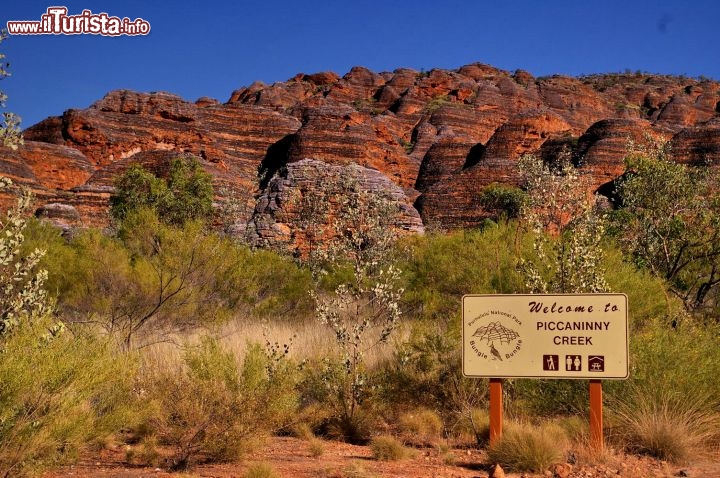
(666, 425)
(525, 447)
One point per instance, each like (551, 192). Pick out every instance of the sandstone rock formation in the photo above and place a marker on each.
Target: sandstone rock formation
(431, 140)
(280, 207)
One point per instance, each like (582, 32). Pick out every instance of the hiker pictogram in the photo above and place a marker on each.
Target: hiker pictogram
(551, 363)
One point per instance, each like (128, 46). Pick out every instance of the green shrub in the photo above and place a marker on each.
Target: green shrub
(324, 384)
(58, 394)
(669, 219)
(647, 298)
(388, 448)
(185, 194)
(269, 284)
(577, 427)
(214, 409)
(503, 202)
(436, 103)
(440, 269)
(364, 312)
(154, 281)
(669, 406)
(426, 372)
(684, 359)
(525, 447)
(548, 398)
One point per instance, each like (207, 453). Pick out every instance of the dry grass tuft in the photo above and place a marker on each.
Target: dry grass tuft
(388, 448)
(316, 447)
(421, 426)
(302, 431)
(526, 447)
(261, 470)
(666, 426)
(472, 427)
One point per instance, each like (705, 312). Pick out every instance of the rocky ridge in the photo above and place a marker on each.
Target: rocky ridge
(431, 141)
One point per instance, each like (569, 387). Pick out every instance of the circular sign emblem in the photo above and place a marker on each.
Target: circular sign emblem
(498, 339)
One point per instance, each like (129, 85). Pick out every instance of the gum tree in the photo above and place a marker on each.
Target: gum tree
(363, 311)
(568, 229)
(669, 221)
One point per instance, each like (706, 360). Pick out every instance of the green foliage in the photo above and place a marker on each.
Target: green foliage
(670, 222)
(348, 403)
(426, 372)
(647, 301)
(186, 194)
(425, 368)
(215, 409)
(647, 297)
(549, 398)
(503, 202)
(46, 376)
(669, 407)
(272, 285)
(42, 235)
(525, 447)
(440, 268)
(156, 279)
(10, 131)
(58, 395)
(408, 146)
(57, 392)
(695, 361)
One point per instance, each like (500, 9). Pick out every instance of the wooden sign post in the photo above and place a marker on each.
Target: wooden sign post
(596, 415)
(496, 409)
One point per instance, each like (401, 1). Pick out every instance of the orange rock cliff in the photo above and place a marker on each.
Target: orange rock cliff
(429, 140)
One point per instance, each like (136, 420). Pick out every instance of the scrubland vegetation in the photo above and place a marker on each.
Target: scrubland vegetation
(186, 346)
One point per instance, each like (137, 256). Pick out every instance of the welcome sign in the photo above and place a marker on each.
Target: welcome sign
(571, 336)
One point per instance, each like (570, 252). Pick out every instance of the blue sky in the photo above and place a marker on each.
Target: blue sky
(211, 48)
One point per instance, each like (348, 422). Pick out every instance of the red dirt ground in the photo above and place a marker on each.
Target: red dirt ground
(291, 457)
